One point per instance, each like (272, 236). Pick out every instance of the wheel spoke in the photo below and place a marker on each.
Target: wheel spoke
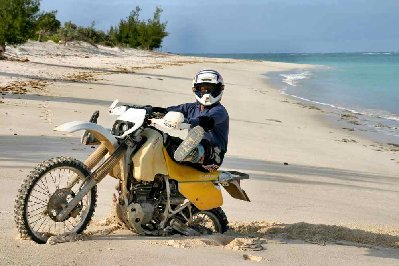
(70, 223)
(45, 184)
(60, 178)
(33, 223)
(40, 208)
(45, 220)
(46, 192)
(36, 203)
(43, 217)
(39, 199)
(66, 225)
(34, 215)
(52, 178)
(49, 227)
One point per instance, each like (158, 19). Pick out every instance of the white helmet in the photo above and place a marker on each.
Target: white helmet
(208, 87)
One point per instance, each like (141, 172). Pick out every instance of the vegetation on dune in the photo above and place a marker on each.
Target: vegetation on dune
(47, 24)
(17, 21)
(133, 32)
(21, 20)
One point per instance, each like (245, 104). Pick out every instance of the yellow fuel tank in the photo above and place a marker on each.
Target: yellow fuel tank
(195, 185)
(149, 160)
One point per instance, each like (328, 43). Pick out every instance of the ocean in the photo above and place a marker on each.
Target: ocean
(361, 89)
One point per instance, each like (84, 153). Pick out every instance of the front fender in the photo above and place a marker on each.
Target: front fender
(100, 133)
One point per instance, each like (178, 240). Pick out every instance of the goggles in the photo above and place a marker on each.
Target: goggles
(208, 88)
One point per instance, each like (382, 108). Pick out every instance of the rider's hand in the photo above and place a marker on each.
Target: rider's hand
(206, 122)
(159, 110)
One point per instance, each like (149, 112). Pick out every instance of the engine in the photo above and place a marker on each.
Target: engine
(150, 198)
(175, 197)
(145, 193)
(145, 198)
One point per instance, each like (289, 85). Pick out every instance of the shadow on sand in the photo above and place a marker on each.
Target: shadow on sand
(296, 174)
(322, 234)
(95, 69)
(242, 235)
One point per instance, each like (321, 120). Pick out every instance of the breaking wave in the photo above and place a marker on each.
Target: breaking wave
(294, 78)
(374, 113)
(374, 116)
(375, 53)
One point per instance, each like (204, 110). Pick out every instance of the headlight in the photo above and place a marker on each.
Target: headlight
(120, 127)
(124, 127)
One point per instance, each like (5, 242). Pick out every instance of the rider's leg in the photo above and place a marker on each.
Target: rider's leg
(213, 158)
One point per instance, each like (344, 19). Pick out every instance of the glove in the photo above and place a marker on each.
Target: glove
(206, 122)
(159, 110)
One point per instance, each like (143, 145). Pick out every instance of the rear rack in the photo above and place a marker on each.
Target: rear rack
(239, 175)
(230, 180)
(226, 176)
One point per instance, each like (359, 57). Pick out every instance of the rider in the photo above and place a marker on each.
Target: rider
(211, 115)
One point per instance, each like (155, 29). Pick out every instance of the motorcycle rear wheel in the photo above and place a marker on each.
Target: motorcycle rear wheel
(209, 221)
(43, 193)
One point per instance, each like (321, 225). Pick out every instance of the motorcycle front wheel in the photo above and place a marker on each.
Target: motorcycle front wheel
(45, 192)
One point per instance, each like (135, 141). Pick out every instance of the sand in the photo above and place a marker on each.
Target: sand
(320, 195)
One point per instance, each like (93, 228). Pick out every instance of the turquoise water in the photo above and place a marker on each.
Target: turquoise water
(364, 84)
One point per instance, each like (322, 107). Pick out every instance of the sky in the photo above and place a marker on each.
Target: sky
(253, 26)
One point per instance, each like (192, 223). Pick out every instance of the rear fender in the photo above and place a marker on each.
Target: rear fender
(230, 180)
(235, 190)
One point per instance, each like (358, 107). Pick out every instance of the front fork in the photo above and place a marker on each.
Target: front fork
(90, 162)
(96, 176)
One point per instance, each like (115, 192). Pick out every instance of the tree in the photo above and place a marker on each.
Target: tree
(127, 32)
(112, 36)
(133, 32)
(91, 35)
(47, 23)
(17, 21)
(68, 32)
(152, 33)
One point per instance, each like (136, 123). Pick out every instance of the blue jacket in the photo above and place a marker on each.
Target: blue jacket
(218, 136)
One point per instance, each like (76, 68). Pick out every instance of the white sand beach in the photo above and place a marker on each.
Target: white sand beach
(319, 195)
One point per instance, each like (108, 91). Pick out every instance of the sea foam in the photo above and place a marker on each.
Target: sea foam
(294, 79)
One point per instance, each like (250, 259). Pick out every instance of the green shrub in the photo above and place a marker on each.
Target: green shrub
(47, 23)
(54, 37)
(133, 32)
(17, 21)
(20, 20)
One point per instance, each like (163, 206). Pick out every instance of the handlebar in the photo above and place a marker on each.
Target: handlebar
(151, 111)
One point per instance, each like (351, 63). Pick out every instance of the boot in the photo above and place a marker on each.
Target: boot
(188, 147)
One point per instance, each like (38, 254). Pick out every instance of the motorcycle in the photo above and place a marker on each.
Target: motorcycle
(155, 194)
